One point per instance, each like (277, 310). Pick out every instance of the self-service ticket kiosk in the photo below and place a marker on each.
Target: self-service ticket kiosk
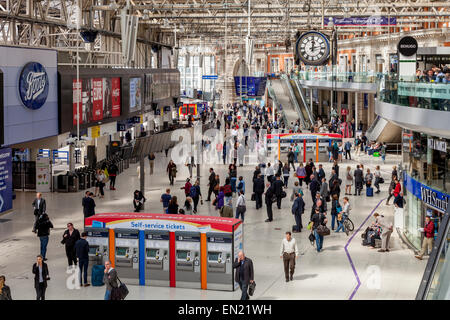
(187, 255)
(219, 261)
(127, 255)
(98, 239)
(157, 258)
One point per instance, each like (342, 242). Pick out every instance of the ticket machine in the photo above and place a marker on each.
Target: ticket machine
(98, 239)
(157, 258)
(219, 261)
(127, 255)
(187, 255)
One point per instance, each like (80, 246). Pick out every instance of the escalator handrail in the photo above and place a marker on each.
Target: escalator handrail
(294, 99)
(274, 98)
(300, 92)
(433, 259)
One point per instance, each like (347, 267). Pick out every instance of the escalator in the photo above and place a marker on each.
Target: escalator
(435, 284)
(383, 131)
(298, 92)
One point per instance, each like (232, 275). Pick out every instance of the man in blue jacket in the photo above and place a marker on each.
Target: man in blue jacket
(82, 251)
(297, 210)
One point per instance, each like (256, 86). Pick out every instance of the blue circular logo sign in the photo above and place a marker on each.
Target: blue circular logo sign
(33, 85)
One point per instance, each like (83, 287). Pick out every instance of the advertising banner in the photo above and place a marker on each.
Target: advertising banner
(135, 94)
(5, 179)
(43, 175)
(115, 83)
(432, 198)
(97, 99)
(361, 21)
(77, 101)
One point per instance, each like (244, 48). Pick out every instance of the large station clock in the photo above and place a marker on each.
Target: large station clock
(313, 48)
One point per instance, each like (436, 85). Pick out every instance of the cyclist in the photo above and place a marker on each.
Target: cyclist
(345, 213)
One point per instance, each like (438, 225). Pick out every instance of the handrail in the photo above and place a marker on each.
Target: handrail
(274, 98)
(294, 99)
(300, 92)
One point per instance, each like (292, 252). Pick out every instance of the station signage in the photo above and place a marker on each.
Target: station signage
(430, 197)
(5, 179)
(361, 21)
(407, 46)
(33, 85)
(439, 145)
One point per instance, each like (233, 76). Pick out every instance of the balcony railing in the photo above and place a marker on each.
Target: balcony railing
(427, 95)
(359, 77)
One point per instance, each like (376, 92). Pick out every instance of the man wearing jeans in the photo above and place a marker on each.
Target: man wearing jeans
(318, 219)
(82, 251)
(244, 273)
(289, 252)
(110, 279)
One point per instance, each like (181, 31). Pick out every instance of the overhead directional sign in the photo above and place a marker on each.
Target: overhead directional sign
(210, 77)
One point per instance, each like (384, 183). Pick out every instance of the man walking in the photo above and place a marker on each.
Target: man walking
(314, 187)
(347, 148)
(278, 189)
(165, 198)
(386, 231)
(43, 226)
(358, 180)
(244, 273)
(212, 183)
(268, 199)
(298, 208)
(428, 238)
(289, 252)
(258, 188)
(88, 204)
(39, 206)
(82, 251)
(291, 158)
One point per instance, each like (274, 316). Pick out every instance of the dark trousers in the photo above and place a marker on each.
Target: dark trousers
(196, 199)
(300, 181)
(44, 243)
(286, 180)
(210, 190)
(71, 256)
(112, 182)
(279, 202)
(258, 200)
(298, 221)
(292, 163)
(270, 178)
(377, 183)
(244, 289)
(100, 186)
(269, 211)
(137, 207)
(289, 264)
(171, 180)
(83, 270)
(347, 153)
(389, 198)
(40, 291)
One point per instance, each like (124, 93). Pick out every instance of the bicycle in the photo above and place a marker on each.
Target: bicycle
(348, 225)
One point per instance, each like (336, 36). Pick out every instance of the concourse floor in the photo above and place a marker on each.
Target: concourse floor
(331, 274)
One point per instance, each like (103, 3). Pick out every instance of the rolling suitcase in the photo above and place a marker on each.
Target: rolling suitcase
(97, 275)
(369, 191)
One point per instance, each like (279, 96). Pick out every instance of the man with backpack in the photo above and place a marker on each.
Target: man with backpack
(347, 148)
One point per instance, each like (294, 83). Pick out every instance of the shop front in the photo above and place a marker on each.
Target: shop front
(426, 180)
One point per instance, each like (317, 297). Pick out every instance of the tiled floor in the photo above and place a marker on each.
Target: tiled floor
(325, 275)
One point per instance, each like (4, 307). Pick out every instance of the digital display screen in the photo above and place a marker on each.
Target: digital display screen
(93, 250)
(121, 251)
(182, 254)
(213, 256)
(151, 253)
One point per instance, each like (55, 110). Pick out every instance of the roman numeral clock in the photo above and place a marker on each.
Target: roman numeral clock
(312, 48)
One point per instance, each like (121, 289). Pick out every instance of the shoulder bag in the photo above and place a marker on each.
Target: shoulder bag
(251, 288)
(122, 290)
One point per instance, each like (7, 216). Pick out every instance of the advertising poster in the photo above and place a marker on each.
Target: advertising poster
(115, 82)
(97, 99)
(76, 87)
(5, 179)
(43, 175)
(135, 94)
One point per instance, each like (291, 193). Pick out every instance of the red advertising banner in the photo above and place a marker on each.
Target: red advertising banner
(97, 94)
(76, 88)
(115, 84)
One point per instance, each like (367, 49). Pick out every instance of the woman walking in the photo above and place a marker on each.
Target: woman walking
(301, 173)
(348, 181)
(100, 183)
(172, 171)
(41, 276)
(187, 208)
(173, 206)
(286, 171)
(195, 194)
(70, 236)
(377, 174)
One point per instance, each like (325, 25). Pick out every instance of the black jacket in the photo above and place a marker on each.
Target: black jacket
(336, 169)
(42, 206)
(212, 180)
(298, 206)
(70, 240)
(318, 219)
(139, 196)
(258, 186)
(248, 270)
(278, 187)
(112, 170)
(6, 293)
(88, 207)
(82, 249)
(269, 195)
(321, 174)
(314, 186)
(291, 156)
(45, 275)
(43, 226)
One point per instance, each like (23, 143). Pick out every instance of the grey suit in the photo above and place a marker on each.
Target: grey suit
(358, 181)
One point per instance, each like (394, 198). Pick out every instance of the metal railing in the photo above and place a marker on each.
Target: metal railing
(294, 100)
(360, 77)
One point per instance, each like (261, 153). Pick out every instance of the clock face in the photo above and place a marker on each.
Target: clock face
(313, 48)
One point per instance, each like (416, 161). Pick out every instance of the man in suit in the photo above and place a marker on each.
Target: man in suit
(314, 187)
(88, 205)
(39, 207)
(82, 251)
(244, 273)
(333, 177)
(268, 199)
(212, 183)
(358, 180)
(110, 279)
(321, 173)
(278, 189)
(298, 208)
(258, 189)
